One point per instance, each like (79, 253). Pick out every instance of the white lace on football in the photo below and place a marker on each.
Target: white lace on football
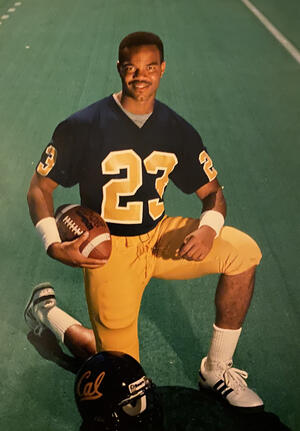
(72, 226)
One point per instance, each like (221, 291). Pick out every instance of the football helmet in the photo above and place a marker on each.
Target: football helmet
(112, 391)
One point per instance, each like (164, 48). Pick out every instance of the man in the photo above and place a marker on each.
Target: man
(122, 150)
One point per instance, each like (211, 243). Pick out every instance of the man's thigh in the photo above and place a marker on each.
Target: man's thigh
(233, 252)
(114, 294)
(114, 291)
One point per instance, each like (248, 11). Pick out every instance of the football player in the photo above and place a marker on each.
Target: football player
(122, 151)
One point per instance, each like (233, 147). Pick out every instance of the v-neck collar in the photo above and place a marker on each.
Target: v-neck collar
(124, 115)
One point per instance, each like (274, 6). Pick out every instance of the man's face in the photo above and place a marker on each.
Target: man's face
(141, 71)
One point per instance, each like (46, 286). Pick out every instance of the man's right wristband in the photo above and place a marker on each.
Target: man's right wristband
(48, 231)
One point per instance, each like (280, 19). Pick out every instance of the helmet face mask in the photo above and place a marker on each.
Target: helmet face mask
(136, 403)
(111, 390)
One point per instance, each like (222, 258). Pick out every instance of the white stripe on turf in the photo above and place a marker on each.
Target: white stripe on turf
(273, 30)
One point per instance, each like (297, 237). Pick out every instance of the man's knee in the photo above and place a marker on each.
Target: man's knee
(110, 320)
(118, 334)
(243, 251)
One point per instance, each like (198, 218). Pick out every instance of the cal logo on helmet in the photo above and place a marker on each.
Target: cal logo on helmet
(111, 389)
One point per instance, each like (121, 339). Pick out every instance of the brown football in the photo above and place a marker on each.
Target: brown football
(73, 220)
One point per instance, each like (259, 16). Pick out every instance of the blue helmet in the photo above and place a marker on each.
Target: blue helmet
(113, 393)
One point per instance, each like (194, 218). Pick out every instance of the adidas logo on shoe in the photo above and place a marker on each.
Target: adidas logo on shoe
(229, 383)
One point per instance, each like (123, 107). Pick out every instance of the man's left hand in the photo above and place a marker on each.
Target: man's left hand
(197, 244)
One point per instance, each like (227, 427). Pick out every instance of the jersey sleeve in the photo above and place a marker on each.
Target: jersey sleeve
(60, 160)
(195, 167)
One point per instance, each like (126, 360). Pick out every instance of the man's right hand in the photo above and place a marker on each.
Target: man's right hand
(68, 253)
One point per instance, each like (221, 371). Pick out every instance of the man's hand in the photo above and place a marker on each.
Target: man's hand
(197, 244)
(68, 253)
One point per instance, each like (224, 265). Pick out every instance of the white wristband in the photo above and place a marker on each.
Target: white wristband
(47, 228)
(213, 219)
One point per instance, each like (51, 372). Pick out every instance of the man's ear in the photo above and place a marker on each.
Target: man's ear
(163, 68)
(119, 67)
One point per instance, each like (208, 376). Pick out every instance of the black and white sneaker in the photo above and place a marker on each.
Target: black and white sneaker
(230, 384)
(41, 300)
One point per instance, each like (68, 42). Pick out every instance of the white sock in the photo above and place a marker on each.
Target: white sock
(57, 320)
(223, 345)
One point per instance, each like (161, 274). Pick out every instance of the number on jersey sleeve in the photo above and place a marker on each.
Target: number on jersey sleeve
(207, 163)
(44, 168)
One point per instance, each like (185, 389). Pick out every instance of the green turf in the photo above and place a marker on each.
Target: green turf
(233, 81)
(284, 16)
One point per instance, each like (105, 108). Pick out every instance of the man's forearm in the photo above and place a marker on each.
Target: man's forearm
(215, 201)
(39, 198)
(40, 205)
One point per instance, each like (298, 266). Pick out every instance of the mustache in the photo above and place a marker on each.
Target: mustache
(137, 81)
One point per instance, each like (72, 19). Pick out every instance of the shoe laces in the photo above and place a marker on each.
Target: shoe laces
(234, 377)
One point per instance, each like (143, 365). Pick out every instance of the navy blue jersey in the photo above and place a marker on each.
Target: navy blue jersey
(123, 170)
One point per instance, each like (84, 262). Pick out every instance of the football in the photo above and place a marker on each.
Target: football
(73, 220)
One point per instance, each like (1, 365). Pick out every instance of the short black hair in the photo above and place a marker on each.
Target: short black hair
(141, 38)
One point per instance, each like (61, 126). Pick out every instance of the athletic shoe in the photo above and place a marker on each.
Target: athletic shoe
(42, 298)
(230, 384)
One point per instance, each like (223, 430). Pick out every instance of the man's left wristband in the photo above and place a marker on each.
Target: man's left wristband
(48, 231)
(213, 219)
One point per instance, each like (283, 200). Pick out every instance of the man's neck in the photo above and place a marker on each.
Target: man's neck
(134, 106)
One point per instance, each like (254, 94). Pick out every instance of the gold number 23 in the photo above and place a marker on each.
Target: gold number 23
(132, 213)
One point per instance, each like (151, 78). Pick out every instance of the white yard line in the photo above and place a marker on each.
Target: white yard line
(272, 29)
(9, 11)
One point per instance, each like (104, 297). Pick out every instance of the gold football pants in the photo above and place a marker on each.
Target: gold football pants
(114, 291)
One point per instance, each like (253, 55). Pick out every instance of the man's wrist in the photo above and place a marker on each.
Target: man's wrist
(213, 219)
(47, 229)
(52, 248)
